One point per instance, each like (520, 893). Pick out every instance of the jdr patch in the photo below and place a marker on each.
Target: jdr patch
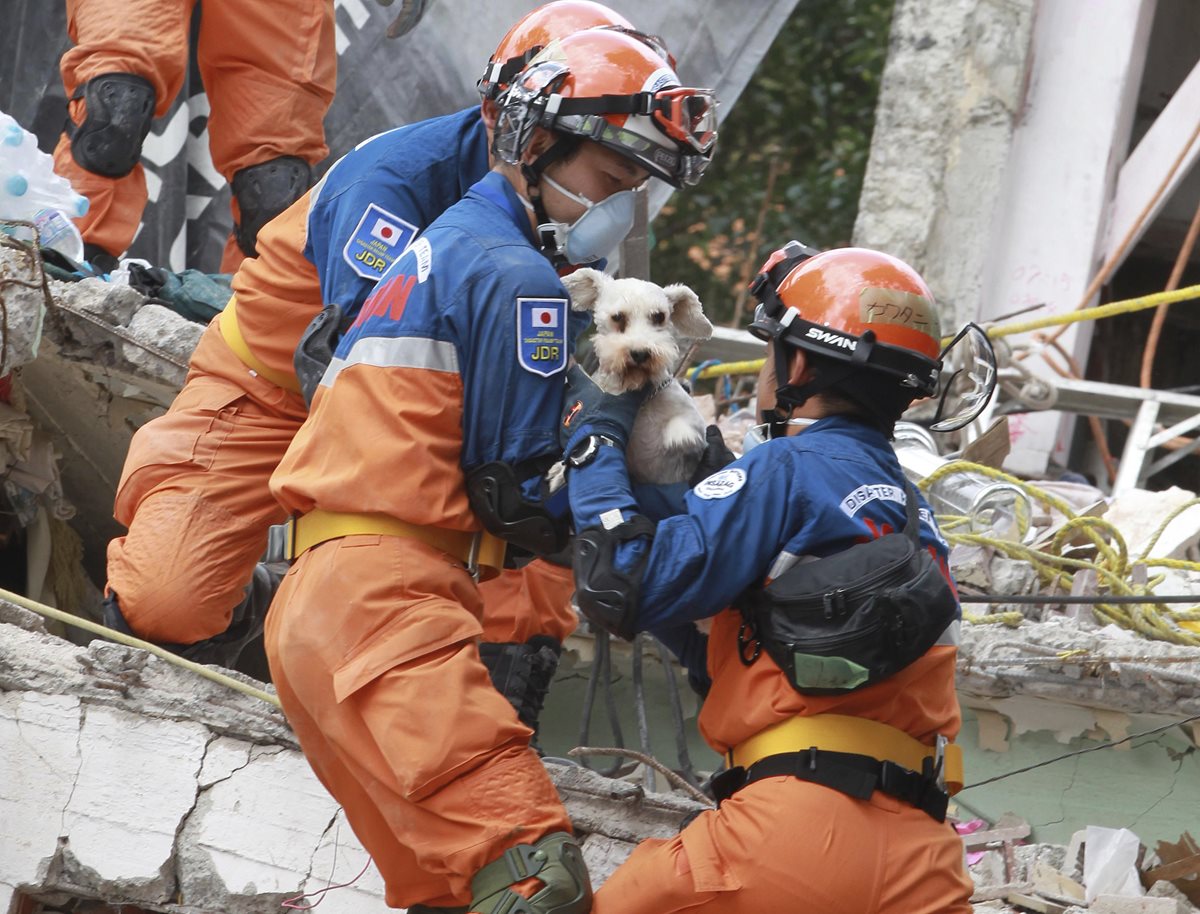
(542, 335)
(380, 238)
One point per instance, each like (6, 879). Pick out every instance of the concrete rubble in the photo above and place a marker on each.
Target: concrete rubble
(212, 805)
(202, 789)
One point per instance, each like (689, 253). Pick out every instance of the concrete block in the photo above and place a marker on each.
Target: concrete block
(136, 783)
(39, 764)
(166, 331)
(1123, 904)
(603, 855)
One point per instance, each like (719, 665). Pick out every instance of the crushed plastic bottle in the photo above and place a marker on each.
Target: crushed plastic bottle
(991, 508)
(30, 191)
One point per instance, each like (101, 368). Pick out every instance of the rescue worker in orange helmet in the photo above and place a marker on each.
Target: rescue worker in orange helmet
(268, 98)
(194, 490)
(832, 679)
(434, 423)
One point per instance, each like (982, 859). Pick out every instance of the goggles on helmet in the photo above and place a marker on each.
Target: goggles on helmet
(686, 116)
(968, 379)
(522, 108)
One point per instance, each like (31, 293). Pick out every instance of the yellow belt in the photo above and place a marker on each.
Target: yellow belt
(475, 550)
(232, 333)
(839, 733)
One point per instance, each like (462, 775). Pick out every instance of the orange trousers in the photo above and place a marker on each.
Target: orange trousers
(372, 646)
(194, 495)
(782, 846)
(269, 69)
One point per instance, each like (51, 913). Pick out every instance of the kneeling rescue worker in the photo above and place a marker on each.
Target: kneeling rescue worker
(436, 421)
(832, 650)
(194, 491)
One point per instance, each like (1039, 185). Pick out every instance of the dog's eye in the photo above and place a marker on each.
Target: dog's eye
(658, 318)
(618, 320)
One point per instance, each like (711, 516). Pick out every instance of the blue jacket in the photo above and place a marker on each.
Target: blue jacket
(456, 359)
(393, 185)
(813, 494)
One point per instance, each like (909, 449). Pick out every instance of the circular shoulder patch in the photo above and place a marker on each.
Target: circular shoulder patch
(721, 484)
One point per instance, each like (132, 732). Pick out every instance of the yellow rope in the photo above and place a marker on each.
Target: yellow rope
(1088, 314)
(1141, 303)
(1112, 564)
(58, 615)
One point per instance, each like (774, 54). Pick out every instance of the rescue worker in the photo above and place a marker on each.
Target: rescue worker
(194, 490)
(435, 422)
(836, 737)
(268, 101)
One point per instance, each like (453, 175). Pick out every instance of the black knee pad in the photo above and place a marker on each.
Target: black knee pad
(120, 107)
(264, 191)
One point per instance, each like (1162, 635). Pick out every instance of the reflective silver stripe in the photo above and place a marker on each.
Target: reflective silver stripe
(396, 352)
(785, 560)
(951, 635)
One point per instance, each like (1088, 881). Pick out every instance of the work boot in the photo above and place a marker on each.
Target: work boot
(555, 861)
(245, 627)
(522, 673)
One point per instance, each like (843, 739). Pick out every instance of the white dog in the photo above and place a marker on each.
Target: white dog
(639, 328)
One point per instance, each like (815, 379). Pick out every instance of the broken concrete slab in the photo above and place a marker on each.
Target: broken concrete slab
(135, 782)
(25, 300)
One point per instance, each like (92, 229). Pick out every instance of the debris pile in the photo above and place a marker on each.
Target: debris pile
(1102, 871)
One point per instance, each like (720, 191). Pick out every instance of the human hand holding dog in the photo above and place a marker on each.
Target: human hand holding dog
(588, 410)
(716, 456)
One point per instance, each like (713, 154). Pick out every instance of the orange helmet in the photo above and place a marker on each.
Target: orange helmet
(538, 28)
(869, 319)
(610, 87)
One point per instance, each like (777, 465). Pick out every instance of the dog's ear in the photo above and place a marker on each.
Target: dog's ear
(584, 286)
(686, 313)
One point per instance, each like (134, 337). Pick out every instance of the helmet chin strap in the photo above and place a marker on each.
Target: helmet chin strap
(789, 397)
(532, 173)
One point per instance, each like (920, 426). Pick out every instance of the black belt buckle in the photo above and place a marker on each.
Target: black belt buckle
(726, 783)
(919, 790)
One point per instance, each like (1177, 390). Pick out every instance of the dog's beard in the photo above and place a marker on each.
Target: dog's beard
(621, 373)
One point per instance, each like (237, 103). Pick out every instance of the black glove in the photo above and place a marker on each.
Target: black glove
(716, 456)
(588, 410)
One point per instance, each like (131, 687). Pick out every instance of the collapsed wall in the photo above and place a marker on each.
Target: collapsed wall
(128, 780)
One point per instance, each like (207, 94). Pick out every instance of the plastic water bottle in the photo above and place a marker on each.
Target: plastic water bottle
(30, 191)
(992, 508)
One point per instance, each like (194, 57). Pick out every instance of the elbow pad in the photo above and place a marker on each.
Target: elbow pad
(316, 349)
(607, 596)
(494, 492)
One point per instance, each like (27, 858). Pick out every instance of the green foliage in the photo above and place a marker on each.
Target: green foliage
(790, 159)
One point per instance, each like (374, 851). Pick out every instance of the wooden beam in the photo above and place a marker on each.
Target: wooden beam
(1150, 163)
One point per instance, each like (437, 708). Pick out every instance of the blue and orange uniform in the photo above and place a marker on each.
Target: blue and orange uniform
(781, 844)
(455, 362)
(194, 491)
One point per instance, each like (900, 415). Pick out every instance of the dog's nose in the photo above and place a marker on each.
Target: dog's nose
(639, 356)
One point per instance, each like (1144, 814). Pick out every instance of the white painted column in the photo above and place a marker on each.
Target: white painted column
(1071, 139)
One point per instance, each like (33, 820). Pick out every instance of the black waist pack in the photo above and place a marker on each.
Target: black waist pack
(847, 621)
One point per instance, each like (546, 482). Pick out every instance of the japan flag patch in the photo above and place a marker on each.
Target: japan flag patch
(377, 242)
(541, 335)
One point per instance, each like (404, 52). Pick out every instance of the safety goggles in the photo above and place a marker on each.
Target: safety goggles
(670, 163)
(967, 379)
(687, 115)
